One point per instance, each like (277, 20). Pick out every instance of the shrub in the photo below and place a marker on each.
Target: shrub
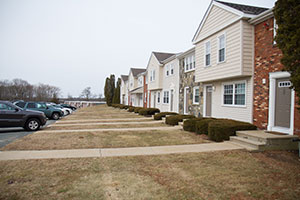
(222, 129)
(125, 107)
(131, 108)
(148, 111)
(173, 120)
(137, 109)
(159, 116)
(190, 124)
(201, 126)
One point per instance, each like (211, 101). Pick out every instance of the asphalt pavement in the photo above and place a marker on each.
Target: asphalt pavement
(8, 135)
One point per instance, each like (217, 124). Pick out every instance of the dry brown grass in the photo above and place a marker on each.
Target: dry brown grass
(215, 175)
(83, 126)
(47, 141)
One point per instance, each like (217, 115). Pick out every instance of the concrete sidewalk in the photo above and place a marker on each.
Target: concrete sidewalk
(160, 128)
(115, 152)
(108, 123)
(104, 120)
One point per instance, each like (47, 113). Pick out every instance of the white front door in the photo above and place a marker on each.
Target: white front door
(281, 103)
(186, 100)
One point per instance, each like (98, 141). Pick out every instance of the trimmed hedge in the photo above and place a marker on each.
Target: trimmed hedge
(131, 109)
(222, 129)
(121, 106)
(159, 116)
(190, 124)
(173, 120)
(201, 126)
(148, 111)
(137, 109)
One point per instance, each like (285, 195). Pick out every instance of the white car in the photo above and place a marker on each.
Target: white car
(66, 111)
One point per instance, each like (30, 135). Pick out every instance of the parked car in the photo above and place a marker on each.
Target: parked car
(14, 116)
(49, 111)
(68, 106)
(66, 111)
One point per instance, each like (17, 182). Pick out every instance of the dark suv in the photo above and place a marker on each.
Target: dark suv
(49, 111)
(13, 116)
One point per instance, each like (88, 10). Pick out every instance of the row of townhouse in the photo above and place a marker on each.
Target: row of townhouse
(233, 71)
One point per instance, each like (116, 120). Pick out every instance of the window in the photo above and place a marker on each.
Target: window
(167, 70)
(239, 96)
(31, 105)
(140, 80)
(172, 69)
(207, 53)
(158, 97)
(234, 94)
(189, 63)
(196, 94)
(221, 51)
(5, 107)
(21, 104)
(152, 75)
(166, 96)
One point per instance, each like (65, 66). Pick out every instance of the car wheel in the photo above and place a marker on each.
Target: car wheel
(68, 112)
(32, 124)
(55, 116)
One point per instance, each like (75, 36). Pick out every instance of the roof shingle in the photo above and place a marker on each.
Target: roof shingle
(124, 77)
(137, 71)
(253, 10)
(162, 56)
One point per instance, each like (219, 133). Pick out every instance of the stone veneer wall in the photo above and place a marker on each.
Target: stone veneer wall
(188, 80)
(267, 59)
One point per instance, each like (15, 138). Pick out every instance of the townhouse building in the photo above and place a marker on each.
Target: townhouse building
(136, 90)
(155, 76)
(224, 54)
(170, 85)
(124, 90)
(190, 92)
(274, 102)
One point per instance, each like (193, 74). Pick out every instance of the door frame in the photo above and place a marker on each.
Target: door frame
(272, 94)
(184, 102)
(204, 99)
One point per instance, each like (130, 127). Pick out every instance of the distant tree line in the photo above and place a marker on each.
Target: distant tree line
(112, 90)
(19, 89)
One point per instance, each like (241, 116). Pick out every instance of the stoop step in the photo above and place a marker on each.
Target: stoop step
(248, 143)
(249, 135)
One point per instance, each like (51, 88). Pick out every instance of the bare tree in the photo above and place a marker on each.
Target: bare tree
(86, 93)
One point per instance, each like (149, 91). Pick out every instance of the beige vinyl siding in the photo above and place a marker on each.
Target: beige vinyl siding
(232, 112)
(170, 82)
(216, 19)
(232, 65)
(248, 48)
(154, 65)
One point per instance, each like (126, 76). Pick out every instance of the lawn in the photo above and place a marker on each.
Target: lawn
(215, 175)
(80, 140)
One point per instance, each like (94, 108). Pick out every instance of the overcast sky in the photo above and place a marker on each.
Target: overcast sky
(74, 44)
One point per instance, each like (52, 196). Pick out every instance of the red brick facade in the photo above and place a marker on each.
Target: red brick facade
(267, 59)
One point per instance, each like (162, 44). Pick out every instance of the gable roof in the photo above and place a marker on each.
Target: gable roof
(160, 56)
(243, 11)
(252, 10)
(124, 77)
(137, 71)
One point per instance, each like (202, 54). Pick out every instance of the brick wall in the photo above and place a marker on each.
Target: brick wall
(145, 94)
(267, 59)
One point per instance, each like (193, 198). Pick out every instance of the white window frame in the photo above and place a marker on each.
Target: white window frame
(168, 96)
(167, 70)
(172, 69)
(218, 48)
(233, 93)
(189, 60)
(194, 93)
(158, 98)
(205, 48)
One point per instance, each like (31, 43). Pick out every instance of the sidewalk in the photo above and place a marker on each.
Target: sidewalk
(114, 152)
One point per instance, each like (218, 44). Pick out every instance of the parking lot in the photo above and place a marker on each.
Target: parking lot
(8, 135)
